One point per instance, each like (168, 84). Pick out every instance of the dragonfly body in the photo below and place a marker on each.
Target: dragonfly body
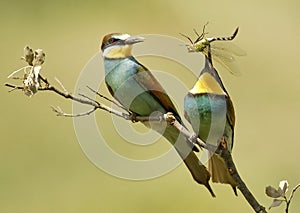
(223, 53)
(202, 43)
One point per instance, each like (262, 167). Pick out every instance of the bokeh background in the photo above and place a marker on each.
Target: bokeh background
(42, 167)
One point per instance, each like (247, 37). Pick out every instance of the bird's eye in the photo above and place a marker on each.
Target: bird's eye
(112, 40)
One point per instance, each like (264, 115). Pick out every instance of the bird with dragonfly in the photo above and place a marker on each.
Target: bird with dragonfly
(208, 106)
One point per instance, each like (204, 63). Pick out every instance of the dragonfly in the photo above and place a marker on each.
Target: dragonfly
(223, 53)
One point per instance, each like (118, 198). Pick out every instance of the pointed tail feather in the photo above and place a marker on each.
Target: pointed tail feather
(196, 168)
(198, 171)
(184, 149)
(219, 171)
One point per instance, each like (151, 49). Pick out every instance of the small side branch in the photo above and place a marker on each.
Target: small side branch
(59, 112)
(84, 100)
(108, 99)
(14, 87)
(291, 197)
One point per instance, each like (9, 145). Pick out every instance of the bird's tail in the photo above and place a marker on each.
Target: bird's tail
(196, 168)
(219, 171)
(184, 149)
(198, 171)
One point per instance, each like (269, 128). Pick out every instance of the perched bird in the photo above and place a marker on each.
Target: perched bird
(210, 111)
(134, 86)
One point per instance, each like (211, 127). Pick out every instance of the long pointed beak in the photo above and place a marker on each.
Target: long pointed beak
(134, 39)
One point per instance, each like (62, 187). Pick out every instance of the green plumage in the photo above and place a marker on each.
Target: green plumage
(207, 114)
(136, 88)
(212, 118)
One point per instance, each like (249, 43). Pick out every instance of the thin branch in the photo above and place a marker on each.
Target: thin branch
(85, 96)
(59, 112)
(192, 137)
(108, 99)
(15, 87)
(67, 95)
(291, 197)
(18, 70)
(293, 191)
(61, 85)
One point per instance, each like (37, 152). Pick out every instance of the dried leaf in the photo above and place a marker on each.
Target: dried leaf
(276, 203)
(28, 55)
(31, 81)
(39, 57)
(272, 192)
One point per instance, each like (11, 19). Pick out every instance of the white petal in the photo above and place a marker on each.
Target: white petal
(283, 186)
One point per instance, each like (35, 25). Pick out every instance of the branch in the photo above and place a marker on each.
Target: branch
(96, 105)
(108, 99)
(35, 66)
(226, 155)
(59, 112)
(291, 197)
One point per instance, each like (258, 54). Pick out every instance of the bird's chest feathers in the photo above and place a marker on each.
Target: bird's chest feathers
(118, 71)
(207, 84)
(207, 114)
(123, 79)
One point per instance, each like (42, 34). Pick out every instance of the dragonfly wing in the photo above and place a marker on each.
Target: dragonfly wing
(225, 59)
(229, 48)
(227, 64)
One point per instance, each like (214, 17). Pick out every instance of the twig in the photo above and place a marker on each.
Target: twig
(15, 87)
(106, 98)
(18, 70)
(68, 95)
(61, 85)
(288, 202)
(59, 112)
(85, 96)
(192, 137)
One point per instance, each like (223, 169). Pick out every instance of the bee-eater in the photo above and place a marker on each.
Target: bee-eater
(134, 86)
(210, 111)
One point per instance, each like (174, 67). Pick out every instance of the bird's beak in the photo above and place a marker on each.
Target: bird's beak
(134, 39)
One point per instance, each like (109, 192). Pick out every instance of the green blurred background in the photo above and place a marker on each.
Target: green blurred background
(42, 167)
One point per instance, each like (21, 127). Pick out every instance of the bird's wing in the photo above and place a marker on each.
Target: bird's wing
(230, 117)
(230, 113)
(149, 82)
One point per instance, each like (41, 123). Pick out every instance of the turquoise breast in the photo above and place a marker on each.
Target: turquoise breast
(207, 114)
(123, 80)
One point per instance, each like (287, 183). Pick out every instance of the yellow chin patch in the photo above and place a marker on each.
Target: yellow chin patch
(118, 51)
(207, 84)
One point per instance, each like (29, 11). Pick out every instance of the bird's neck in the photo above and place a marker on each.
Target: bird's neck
(117, 52)
(209, 81)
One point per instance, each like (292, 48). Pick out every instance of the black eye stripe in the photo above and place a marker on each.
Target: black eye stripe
(112, 40)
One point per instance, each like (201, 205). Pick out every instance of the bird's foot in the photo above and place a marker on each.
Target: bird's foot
(170, 118)
(223, 142)
(132, 117)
